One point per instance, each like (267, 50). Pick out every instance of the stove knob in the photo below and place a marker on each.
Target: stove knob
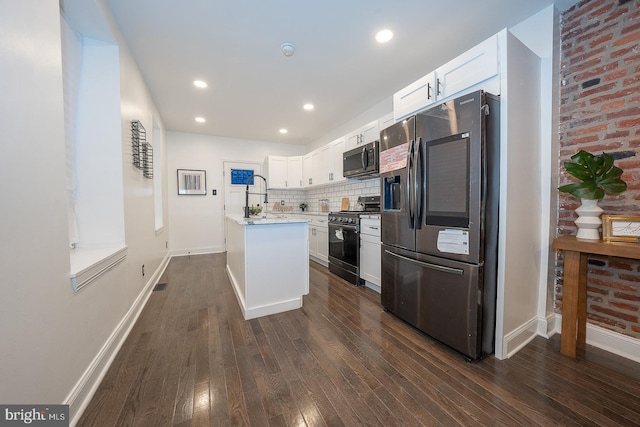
(350, 220)
(340, 219)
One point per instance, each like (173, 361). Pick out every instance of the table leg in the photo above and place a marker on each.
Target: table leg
(582, 302)
(574, 267)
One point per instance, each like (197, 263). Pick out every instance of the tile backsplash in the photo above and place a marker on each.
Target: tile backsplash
(334, 193)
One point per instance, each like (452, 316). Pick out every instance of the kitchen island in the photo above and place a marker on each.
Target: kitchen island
(268, 263)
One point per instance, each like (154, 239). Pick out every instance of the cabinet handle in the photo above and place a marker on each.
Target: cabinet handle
(438, 82)
(373, 228)
(428, 90)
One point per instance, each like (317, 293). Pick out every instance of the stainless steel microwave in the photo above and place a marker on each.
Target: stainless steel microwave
(362, 162)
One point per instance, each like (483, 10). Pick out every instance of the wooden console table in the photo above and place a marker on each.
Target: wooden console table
(574, 292)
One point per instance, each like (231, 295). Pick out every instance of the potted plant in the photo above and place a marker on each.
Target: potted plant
(303, 206)
(597, 176)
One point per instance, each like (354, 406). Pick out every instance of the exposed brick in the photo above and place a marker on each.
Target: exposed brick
(615, 75)
(615, 313)
(630, 278)
(628, 123)
(624, 306)
(635, 111)
(633, 37)
(625, 296)
(617, 134)
(631, 80)
(611, 284)
(619, 264)
(592, 289)
(600, 40)
(616, 14)
(605, 320)
(621, 52)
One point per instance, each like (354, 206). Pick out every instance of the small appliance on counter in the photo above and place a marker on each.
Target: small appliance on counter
(323, 205)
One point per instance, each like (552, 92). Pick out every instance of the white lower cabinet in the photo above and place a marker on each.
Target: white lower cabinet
(370, 259)
(319, 240)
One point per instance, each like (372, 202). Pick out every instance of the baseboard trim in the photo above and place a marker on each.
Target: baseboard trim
(198, 251)
(520, 337)
(264, 310)
(82, 393)
(607, 340)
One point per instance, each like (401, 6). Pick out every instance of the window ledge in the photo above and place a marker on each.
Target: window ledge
(87, 264)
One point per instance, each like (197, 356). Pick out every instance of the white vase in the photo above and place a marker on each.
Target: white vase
(588, 221)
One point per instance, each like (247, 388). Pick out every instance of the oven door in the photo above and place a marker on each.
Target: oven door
(343, 252)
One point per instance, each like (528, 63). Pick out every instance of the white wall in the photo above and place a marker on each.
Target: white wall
(52, 338)
(196, 222)
(541, 34)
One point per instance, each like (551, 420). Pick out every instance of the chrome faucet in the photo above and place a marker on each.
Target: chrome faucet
(246, 199)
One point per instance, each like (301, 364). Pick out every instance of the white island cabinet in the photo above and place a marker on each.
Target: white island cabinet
(268, 263)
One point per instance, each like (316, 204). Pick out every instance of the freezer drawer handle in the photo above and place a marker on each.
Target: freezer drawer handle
(457, 271)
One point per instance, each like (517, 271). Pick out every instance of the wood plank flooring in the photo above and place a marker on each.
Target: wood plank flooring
(191, 360)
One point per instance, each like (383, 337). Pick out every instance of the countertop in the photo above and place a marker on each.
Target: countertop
(269, 219)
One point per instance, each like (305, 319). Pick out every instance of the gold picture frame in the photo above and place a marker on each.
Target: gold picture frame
(621, 228)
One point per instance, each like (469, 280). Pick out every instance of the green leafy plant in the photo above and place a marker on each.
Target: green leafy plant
(303, 206)
(597, 175)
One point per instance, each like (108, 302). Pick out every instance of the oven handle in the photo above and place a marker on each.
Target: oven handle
(345, 227)
(442, 268)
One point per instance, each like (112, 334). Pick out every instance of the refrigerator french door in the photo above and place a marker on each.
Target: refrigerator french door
(441, 202)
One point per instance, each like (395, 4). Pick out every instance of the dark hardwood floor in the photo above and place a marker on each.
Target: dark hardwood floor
(191, 359)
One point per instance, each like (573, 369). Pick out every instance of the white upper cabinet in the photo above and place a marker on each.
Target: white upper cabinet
(414, 97)
(478, 64)
(325, 164)
(322, 165)
(283, 172)
(275, 168)
(363, 135)
(337, 149)
(294, 172)
(307, 169)
(474, 66)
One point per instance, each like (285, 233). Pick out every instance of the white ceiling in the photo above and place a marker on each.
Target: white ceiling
(254, 90)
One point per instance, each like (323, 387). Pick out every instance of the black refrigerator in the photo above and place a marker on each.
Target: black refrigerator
(439, 177)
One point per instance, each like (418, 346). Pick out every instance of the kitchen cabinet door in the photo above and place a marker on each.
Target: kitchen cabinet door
(276, 171)
(476, 65)
(337, 150)
(363, 135)
(322, 165)
(322, 242)
(294, 172)
(370, 257)
(416, 96)
(370, 265)
(370, 132)
(307, 170)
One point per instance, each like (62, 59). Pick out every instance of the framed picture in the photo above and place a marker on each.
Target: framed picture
(192, 182)
(621, 228)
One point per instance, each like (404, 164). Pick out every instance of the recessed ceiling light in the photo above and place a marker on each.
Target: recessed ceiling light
(200, 119)
(308, 107)
(199, 83)
(283, 131)
(384, 36)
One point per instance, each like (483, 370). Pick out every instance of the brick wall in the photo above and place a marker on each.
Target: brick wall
(600, 111)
